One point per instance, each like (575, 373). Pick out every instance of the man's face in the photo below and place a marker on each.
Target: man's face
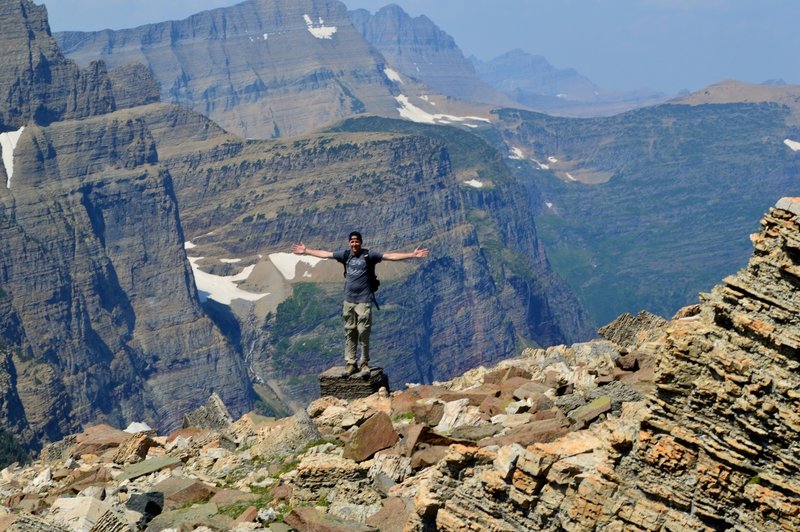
(355, 245)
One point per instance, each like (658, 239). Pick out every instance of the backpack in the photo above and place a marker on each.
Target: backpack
(372, 277)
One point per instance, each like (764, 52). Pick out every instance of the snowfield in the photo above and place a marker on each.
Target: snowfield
(392, 75)
(794, 145)
(319, 30)
(8, 142)
(411, 112)
(220, 288)
(287, 263)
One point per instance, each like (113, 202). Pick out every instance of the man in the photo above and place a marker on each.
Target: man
(357, 308)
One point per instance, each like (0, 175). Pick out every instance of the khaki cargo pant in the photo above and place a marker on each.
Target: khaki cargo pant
(357, 324)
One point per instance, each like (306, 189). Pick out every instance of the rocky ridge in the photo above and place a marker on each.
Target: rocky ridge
(247, 199)
(420, 50)
(83, 286)
(40, 85)
(533, 83)
(261, 68)
(691, 427)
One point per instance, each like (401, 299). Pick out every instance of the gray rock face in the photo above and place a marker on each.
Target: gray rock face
(262, 68)
(37, 84)
(419, 49)
(97, 292)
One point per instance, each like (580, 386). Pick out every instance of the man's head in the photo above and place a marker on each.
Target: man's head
(355, 241)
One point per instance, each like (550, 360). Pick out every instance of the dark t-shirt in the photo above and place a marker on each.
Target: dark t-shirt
(356, 282)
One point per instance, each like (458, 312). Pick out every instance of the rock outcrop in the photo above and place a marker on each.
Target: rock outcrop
(39, 85)
(261, 68)
(700, 437)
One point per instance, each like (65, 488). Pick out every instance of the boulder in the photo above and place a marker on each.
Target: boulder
(376, 434)
(312, 519)
(212, 415)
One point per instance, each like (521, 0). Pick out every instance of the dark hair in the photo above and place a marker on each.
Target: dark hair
(355, 234)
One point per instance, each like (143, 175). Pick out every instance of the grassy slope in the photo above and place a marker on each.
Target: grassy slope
(688, 184)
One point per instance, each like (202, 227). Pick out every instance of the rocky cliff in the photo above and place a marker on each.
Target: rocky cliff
(421, 50)
(39, 84)
(97, 295)
(99, 317)
(261, 68)
(690, 425)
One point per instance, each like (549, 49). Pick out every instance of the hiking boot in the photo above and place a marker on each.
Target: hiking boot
(350, 369)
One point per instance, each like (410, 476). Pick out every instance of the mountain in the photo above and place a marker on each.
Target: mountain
(38, 82)
(99, 318)
(686, 424)
(486, 289)
(732, 91)
(144, 256)
(644, 209)
(419, 49)
(530, 80)
(261, 68)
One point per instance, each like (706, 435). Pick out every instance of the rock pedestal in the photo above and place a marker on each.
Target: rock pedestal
(337, 383)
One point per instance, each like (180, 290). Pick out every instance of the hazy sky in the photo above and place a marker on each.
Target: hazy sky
(667, 45)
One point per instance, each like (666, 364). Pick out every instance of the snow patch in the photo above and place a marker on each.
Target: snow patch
(230, 261)
(474, 183)
(552, 159)
(138, 426)
(541, 165)
(516, 154)
(265, 36)
(570, 177)
(549, 205)
(392, 75)
(319, 30)
(415, 114)
(287, 263)
(188, 245)
(222, 289)
(793, 145)
(8, 142)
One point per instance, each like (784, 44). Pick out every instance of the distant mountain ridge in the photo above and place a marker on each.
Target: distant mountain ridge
(641, 210)
(532, 81)
(38, 83)
(260, 68)
(418, 48)
(100, 311)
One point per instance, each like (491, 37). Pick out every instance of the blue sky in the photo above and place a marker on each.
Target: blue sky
(667, 45)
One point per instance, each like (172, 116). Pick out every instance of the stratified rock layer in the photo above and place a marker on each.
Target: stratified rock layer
(261, 68)
(37, 84)
(420, 50)
(96, 290)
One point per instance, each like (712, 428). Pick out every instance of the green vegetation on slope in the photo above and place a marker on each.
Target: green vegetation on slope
(688, 184)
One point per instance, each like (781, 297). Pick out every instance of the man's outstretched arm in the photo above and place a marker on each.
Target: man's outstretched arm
(301, 249)
(419, 253)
